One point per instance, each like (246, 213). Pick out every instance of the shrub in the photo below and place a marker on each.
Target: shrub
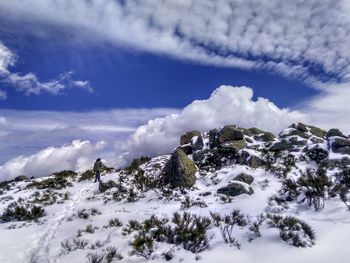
(87, 175)
(189, 202)
(80, 243)
(135, 164)
(314, 186)
(317, 154)
(190, 231)
(115, 222)
(112, 253)
(255, 226)
(236, 218)
(95, 258)
(89, 229)
(227, 235)
(22, 212)
(293, 230)
(142, 245)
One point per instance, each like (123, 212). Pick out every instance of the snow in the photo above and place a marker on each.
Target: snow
(41, 242)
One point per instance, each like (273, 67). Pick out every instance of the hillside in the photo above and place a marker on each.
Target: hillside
(224, 195)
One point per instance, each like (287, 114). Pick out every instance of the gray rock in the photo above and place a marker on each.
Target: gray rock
(294, 140)
(179, 171)
(245, 178)
(213, 138)
(198, 143)
(187, 137)
(341, 145)
(235, 189)
(230, 133)
(282, 145)
(335, 132)
(103, 187)
(299, 126)
(234, 145)
(187, 149)
(250, 160)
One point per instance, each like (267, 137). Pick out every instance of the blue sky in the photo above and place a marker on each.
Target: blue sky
(123, 78)
(120, 79)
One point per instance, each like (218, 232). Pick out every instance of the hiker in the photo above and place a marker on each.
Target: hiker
(97, 170)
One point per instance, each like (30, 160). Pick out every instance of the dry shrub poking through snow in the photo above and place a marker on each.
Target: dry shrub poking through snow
(293, 230)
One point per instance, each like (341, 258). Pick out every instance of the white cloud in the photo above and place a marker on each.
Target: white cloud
(29, 83)
(331, 108)
(286, 37)
(226, 105)
(27, 132)
(77, 156)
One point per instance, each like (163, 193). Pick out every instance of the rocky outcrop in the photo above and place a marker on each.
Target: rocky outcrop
(235, 189)
(259, 135)
(179, 171)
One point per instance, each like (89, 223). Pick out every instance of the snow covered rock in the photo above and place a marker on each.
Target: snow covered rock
(187, 137)
(245, 178)
(340, 145)
(335, 132)
(235, 189)
(230, 133)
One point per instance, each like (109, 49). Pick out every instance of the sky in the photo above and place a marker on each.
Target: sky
(120, 79)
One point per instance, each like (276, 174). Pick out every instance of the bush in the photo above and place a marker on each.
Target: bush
(189, 202)
(317, 154)
(314, 187)
(87, 175)
(95, 258)
(236, 218)
(227, 235)
(135, 164)
(293, 230)
(255, 226)
(142, 245)
(115, 222)
(22, 212)
(56, 182)
(112, 253)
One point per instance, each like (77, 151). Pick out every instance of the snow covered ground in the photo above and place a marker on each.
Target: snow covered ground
(31, 242)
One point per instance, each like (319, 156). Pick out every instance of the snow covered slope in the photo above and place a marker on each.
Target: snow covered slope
(253, 198)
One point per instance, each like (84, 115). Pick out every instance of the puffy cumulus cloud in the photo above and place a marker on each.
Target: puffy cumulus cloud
(285, 36)
(29, 83)
(77, 156)
(226, 105)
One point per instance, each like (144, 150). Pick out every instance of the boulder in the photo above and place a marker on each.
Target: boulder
(282, 145)
(186, 138)
(235, 145)
(179, 171)
(340, 145)
(230, 133)
(213, 138)
(300, 127)
(266, 137)
(235, 189)
(250, 160)
(197, 143)
(245, 178)
(103, 187)
(186, 148)
(335, 132)
(294, 140)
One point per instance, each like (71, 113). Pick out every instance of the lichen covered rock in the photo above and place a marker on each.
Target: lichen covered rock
(180, 171)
